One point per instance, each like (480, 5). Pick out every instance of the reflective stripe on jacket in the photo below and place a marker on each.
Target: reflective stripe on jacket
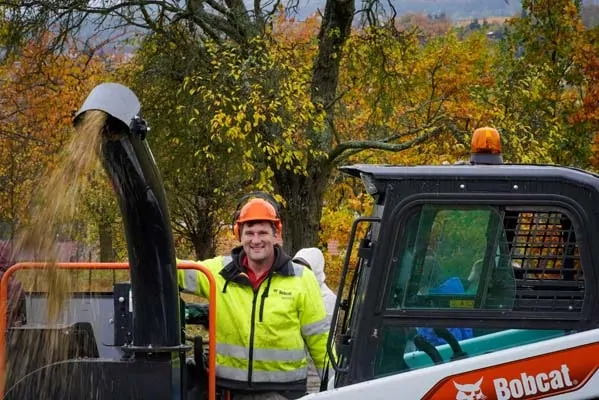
(262, 335)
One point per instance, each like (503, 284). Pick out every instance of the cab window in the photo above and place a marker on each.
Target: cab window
(457, 258)
(481, 263)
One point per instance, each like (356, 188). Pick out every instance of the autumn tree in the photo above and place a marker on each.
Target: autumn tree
(234, 28)
(40, 97)
(540, 85)
(395, 94)
(203, 175)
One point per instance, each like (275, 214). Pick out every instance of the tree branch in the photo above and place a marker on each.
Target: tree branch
(29, 20)
(360, 145)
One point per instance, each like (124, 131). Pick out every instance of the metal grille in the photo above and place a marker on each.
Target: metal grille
(546, 261)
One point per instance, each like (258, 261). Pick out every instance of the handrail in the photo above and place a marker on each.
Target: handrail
(83, 266)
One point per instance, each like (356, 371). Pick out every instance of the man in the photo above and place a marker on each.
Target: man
(267, 315)
(313, 258)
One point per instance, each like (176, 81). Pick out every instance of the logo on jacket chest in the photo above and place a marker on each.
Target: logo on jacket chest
(283, 294)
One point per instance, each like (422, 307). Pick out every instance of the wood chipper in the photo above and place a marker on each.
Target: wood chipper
(132, 346)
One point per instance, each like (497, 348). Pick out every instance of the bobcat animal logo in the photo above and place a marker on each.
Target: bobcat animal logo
(469, 391)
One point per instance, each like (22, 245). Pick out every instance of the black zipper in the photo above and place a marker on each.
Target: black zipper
(263, 297)
(251, 356)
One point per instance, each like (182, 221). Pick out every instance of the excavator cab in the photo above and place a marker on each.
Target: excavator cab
(468, 267)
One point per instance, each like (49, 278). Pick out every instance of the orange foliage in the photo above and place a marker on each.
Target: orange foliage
(40, 94)
(395, 85)
(343, 203)
(293, 32)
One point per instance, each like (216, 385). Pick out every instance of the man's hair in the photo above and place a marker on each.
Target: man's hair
(250, 223)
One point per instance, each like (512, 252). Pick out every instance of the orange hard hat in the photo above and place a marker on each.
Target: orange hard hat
(257, 210)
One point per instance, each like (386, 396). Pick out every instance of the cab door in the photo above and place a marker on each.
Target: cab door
(451, 280)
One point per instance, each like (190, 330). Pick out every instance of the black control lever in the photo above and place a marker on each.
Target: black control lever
(196, 380)
(444, 334)
(198, 353)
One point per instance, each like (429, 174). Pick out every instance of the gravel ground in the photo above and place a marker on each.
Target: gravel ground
(313, 378)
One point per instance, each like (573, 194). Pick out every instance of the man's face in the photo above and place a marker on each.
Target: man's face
(258, 240)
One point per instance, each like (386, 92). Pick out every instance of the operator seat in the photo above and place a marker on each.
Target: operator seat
(392, 348)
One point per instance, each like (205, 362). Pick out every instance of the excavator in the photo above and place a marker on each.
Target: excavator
(469, 281)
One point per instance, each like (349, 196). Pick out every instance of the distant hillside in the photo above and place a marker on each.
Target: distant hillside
(489, 20)
(460, 9)
(454, 9)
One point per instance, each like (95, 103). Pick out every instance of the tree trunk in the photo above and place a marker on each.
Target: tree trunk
(203, 245)
(304, 196)
(202, 236)
(334, 31)
(105, 236)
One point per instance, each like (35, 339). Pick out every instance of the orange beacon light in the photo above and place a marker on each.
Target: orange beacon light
(486, 146)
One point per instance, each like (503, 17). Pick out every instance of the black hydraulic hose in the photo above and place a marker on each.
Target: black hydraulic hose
(452, 342)
(430, 350)
(142, 200)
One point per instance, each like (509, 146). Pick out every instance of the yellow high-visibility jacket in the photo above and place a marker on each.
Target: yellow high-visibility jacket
(262, 335)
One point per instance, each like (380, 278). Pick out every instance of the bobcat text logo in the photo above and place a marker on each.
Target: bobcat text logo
(469, 391)
(529, 385)
(285, 295)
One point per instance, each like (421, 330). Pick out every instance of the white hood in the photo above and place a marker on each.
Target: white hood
(314, 257)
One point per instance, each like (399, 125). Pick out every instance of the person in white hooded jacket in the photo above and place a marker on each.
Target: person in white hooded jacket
(313, 258)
